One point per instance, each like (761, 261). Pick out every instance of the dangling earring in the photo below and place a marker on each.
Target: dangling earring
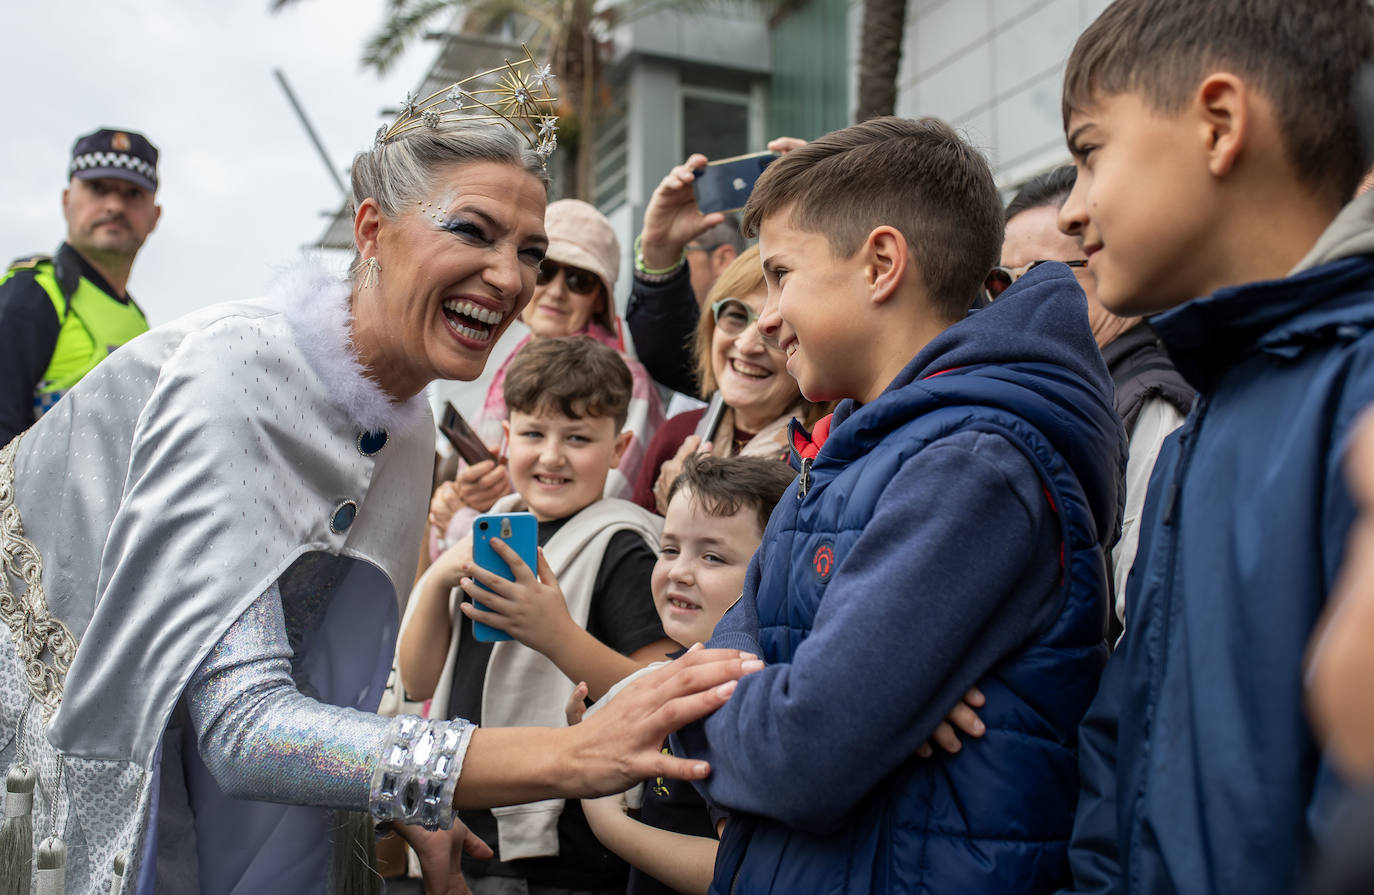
(370, 270)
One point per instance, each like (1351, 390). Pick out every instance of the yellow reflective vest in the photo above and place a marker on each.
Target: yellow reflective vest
(93, 324)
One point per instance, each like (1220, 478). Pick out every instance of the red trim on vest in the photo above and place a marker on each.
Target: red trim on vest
(941, 372)
(808, 447)
(1063, 547)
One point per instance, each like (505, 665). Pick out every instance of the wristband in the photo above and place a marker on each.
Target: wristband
(645, 272)
(421, 761)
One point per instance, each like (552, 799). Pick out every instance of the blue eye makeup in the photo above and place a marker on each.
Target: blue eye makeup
(464, 227)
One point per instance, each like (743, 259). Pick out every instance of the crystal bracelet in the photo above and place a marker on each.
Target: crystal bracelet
(418, 771)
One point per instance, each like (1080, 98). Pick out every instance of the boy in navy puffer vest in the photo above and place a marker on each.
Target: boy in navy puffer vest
(950, 530)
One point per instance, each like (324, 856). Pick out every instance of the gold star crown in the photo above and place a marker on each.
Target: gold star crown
(517, 93)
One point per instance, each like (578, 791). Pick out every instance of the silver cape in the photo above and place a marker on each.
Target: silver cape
(153, 505)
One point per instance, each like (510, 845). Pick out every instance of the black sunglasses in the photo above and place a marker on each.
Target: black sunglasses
(583, 282)
(999, 278)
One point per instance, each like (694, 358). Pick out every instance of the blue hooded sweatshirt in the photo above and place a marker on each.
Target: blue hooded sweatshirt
(1200, 772)
(951, 532)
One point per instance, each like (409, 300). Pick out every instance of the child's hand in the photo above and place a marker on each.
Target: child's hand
(962, 716)
(671, 469)
(602, 813)
(452, 564)
(481, 484)
(532, 610)
(443, 505)
(577, 704)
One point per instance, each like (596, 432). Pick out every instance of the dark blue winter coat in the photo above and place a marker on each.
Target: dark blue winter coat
(950, 532)
(1200, 773)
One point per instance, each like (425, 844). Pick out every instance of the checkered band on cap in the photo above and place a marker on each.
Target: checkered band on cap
(125, 155)
(113, 160)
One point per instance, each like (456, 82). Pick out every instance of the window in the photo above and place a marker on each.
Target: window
(714, 122)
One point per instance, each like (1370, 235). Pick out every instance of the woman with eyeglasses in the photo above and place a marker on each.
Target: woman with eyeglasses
(572, 297)
(759, 397)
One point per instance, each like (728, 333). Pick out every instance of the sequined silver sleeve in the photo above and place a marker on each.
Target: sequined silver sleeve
(262, 739)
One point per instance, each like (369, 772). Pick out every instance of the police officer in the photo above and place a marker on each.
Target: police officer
(60, 315)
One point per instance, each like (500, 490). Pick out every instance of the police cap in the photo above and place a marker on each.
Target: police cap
(124, 155)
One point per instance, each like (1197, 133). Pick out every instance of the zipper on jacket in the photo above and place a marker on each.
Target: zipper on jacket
(804, 481)
(1186, 438)
(1164, 607)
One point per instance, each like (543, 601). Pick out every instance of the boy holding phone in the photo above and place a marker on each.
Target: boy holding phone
(948, 527)
(568, 399)
(717, 510)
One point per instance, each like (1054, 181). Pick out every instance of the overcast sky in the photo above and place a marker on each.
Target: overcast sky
(242, 189)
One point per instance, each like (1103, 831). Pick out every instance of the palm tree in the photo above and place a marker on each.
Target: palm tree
(573, 34)
(569, 33)
(880, 57)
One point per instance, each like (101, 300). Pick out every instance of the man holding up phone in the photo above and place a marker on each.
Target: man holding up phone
(678, 256)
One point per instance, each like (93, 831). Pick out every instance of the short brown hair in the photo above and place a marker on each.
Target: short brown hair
(722, 486)
(918, 176)
(1302, 54)
(575, 376)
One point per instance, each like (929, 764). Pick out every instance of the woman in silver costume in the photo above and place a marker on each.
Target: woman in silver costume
(206, 542)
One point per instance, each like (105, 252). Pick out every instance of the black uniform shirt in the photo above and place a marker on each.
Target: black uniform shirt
(29, 328)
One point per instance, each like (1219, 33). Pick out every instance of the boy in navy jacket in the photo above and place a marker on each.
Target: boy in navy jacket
(1216, 144)
(950, 530)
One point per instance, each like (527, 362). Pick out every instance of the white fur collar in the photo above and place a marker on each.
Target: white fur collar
(316, 305)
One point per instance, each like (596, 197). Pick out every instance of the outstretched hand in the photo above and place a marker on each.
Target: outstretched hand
(611, 749)
(532, 610)
(622, 743)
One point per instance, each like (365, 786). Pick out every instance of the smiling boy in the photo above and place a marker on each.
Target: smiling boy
(717, 510)
(1216, 144)
(949, 530)
(568, 401)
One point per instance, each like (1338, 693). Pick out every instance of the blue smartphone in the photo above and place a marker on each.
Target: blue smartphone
(725, 185)
(520, 531)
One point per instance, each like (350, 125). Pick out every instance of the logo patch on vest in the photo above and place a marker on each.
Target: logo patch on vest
(823, 563)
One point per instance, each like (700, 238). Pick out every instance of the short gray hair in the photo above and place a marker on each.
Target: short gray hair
(402, 170)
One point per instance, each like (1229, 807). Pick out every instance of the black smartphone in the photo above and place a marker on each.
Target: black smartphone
(464, 440)
(725, 185)
(710, 421)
